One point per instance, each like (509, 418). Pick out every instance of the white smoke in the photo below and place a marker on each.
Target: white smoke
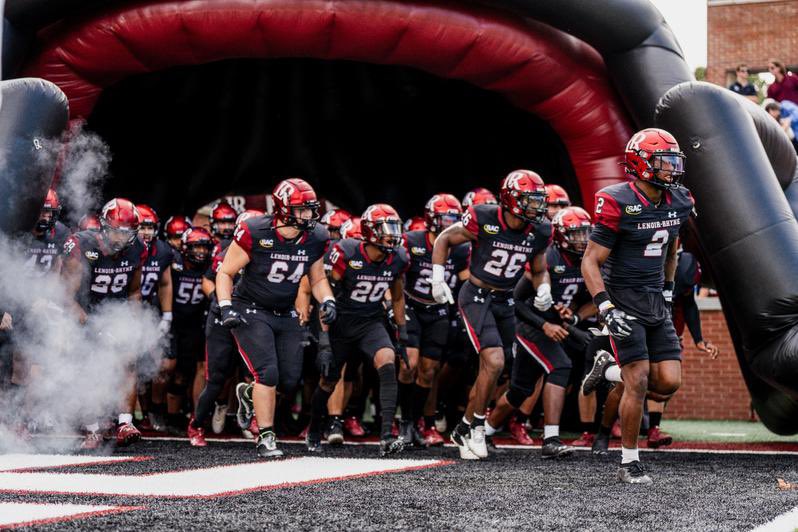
(78, 372)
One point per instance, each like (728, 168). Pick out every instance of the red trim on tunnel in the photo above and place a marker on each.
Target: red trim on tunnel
(539, 69)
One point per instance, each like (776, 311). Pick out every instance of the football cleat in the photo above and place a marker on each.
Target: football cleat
(313, 443)
(432, 438)
(391, 445)
(554, 448)
(519, 433)
(460, 440)
(601, 444)
(585, 440)
(335, 434)
(219, 418)
(127, 434)
(246, 409)
(477, 442)
(440, 422)
(92, 441)
(633, 473)
(267, 446)
(595, 376)
(157, 422)
(353, 427)
(657, 438)
(196, 437)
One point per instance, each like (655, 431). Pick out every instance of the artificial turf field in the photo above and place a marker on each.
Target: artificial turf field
(347, 488)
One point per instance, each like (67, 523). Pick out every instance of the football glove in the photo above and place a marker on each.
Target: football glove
(324, 354)
(230, 318)
(327, 311)
(543, 300)
(441, 292)
(617, 321)
(401, 343)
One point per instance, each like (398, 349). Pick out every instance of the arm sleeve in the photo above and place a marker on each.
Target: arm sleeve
(72, 246)
(603, 236)
(338, 259)
(528, 315)
(607, 215)
(692, 318)
(523, 289)
(470, 221)
(243, 237)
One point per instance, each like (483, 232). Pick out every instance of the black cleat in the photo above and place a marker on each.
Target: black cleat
(267, 446)
(335, 434)
(633, 473)
(595, 376)
(601, 444)
(409, 435)
(554, 448)
(313, 443)
(391, 445)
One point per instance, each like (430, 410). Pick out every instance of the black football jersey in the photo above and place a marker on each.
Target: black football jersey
(638, 233)
(105, 276)
(271, 278)
(567, 284)
(419, 250)
(363, 283)
(499, 254)
(43, 251)
(188, 301)
(160, 256)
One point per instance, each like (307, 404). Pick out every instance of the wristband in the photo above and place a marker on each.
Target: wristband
(600, 299)
(225, 303)
(669, 286)
(438, 271)
(328, 298)
(574, 319)
(166, 316)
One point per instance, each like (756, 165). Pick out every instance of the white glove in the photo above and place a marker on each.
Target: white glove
(441, 292)
(166, 323)
(543, 300)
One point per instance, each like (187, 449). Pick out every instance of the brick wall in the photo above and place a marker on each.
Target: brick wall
(751, 33)
(711, 389)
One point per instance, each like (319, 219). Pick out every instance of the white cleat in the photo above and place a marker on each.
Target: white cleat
(461, 442)
(477, 443)
(219, 418)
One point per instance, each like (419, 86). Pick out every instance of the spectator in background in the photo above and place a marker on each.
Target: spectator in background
(786, 114)
(785, 86)
(742, 86)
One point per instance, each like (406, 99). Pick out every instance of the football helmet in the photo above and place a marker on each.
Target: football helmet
(247, 214)
(351, 228)
(381, 227)
(120, 223)
(223, 220)
(442, 211)
(148, 226)
(89, 222)
(176, 226)
(291, 197)
(416, 223)
(572, 227)
(49, 213)
(653, 155)
(479, 196)
(523, 194)
(556, 195)
(196, 245)
(335, 218)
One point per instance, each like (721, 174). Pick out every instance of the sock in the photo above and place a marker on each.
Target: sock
(464, 427)
(479, 421)
(388, 392)
(318, 408)
(521, 417)
(551, 431)
(589, 427)
(613, 373)
(406, 400)
(604, 431)
(125, 418)
(420, 396)
(629, 455)
(94, 427)
(262, 431)
(654, 419)
(489, 431)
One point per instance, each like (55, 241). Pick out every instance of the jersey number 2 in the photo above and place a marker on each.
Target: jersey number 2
(658, 241)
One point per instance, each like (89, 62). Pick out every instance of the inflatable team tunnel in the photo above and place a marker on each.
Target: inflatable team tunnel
(395, 100)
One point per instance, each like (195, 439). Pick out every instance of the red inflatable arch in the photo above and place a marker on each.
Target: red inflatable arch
(537, 68)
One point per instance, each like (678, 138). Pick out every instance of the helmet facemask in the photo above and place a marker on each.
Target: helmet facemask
(575, 240)
(303, 217)
(198, 253)
(442, 221)
(533, 205)
(147, 232)
(118, 238)
(47, 219)
(667, 169)
(387, 234)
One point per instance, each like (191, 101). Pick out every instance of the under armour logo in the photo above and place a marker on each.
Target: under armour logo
(672, 214)
(251, 311)
(301, 252)
(51, 245)
(216, 321)
(124, 263)
(478, 299)
(386, 274)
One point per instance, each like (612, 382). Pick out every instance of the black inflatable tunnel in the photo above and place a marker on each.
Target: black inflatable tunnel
(396, 100)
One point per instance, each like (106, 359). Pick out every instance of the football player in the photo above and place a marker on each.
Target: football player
(416, 223)
(173, 229)
(47, 239)
(629, 268)
(363, 271)
(223, 221)
(275, 252)
(156, 283)
(333, 220)
(479, 196)
(505, 237)
(547, 340)
(557, 199)
(101, 266)
(427, 320)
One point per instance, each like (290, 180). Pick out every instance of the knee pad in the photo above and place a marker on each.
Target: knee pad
(560, 376)
(269, 376)
(516, 396)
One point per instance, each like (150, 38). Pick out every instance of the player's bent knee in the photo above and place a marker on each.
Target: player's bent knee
(384, 356)
(269, 376)
(517, 395)
(559, 376)
(493, 359)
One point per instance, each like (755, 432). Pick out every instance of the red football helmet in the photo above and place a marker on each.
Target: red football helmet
(89, 222)
(479, 196)
(351, 228)
(523, 193)
(148, 227)
(196, 245)
(556, 195)
(441, 211)
(653, 155)
(416, 223)
(120, 223)
(223, 220)
(247, 214)
(293, 195)
(176, 226)
(335, 218)
(381, 226)
(50, 212)
(572, 227)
